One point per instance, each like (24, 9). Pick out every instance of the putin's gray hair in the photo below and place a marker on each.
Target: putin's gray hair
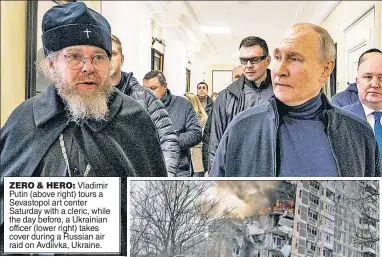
(326, 47)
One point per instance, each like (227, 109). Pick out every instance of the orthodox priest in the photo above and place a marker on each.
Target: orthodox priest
(81, 125)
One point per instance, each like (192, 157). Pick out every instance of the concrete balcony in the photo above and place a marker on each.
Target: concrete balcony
(330, 187)
(329, 201)
(329, 230)
(313, 222)
(313, 206)
(274, 247)
(282, 231)
(312, 238)
(328, 245)
(314, 191)
(310, 253)
(328, 215)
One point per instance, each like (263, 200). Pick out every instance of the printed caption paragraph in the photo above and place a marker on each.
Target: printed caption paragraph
(61, 215)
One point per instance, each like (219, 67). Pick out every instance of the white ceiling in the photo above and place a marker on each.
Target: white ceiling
(265, 19)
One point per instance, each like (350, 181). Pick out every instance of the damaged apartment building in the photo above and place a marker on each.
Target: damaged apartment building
(267, 233)
(336, 219)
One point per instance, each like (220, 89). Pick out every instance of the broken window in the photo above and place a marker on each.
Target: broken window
(277, 240)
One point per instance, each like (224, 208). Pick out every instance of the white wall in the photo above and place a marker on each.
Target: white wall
(342, 16)
(175, 62)
(130, 21)
(218, 62)
(218, 66)
(197, 68)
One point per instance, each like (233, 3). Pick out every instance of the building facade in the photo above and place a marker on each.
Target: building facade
(336, 219)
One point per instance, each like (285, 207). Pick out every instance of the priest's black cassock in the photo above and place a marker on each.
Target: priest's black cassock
(126, 144)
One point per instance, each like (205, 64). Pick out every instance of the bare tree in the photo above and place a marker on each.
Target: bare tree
(364, 201)
(170, 217)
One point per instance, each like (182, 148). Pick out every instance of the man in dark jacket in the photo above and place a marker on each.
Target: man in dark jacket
(205, 100)
(298, 133)
(252, 88)
(182, 115)
(347, 97)
(129, 85)
(80, 125)
(350, 95)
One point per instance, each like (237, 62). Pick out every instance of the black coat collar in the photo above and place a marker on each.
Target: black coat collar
(237, 87)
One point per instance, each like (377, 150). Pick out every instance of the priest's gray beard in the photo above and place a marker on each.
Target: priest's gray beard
(84, 106)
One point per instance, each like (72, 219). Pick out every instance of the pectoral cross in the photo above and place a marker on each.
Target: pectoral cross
(87, 32)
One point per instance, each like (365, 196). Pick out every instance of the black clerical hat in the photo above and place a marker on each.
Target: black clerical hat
(74, 24)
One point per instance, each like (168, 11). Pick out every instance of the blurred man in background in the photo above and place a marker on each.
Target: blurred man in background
(126, 82)
(182, 115)
(237, 72)
(204, 98)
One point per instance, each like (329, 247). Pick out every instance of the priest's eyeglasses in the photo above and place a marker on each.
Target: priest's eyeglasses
(253, 60)
(77, 61)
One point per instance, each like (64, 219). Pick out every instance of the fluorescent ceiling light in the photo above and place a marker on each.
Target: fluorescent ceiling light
(215, 29)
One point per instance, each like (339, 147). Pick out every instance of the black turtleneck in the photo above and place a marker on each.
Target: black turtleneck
(303, 144)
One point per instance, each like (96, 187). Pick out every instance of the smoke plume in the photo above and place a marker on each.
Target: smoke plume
(256, 195)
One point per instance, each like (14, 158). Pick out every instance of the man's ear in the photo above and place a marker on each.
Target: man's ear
(268, 60)
(329, 66)
(122, 59)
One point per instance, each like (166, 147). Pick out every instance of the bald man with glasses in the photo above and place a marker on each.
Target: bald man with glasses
(254, 88)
